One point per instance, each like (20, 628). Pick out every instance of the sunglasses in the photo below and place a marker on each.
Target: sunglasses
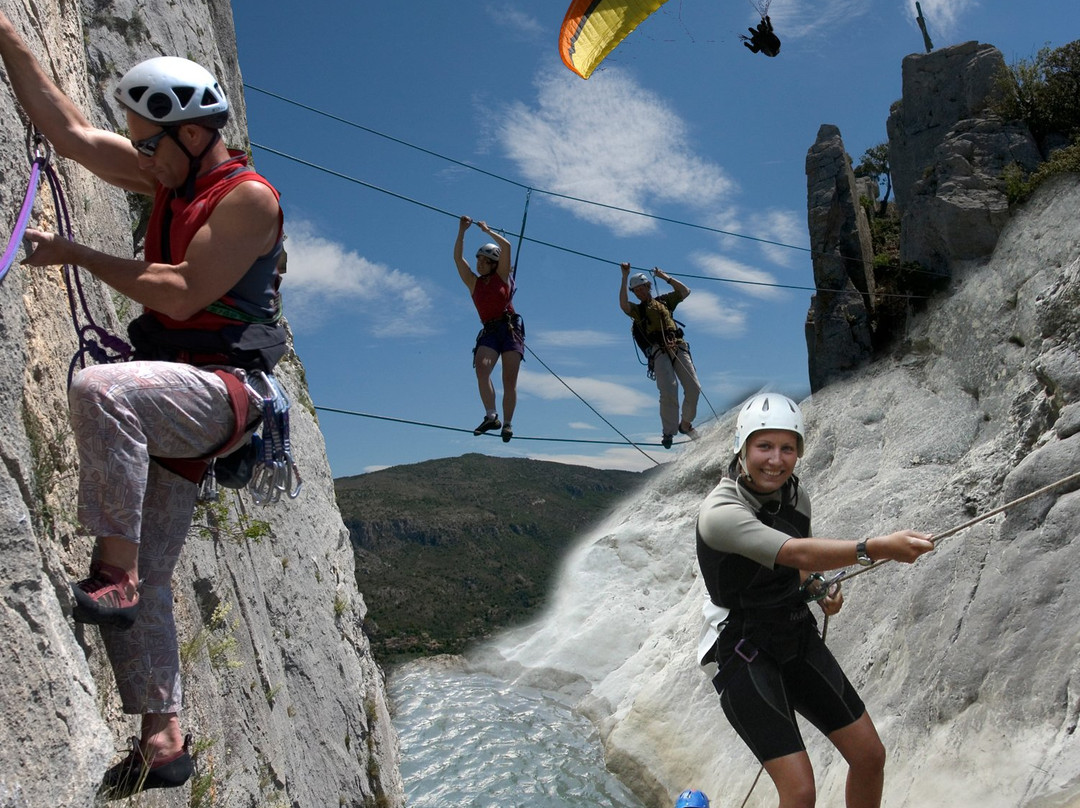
(149, 146)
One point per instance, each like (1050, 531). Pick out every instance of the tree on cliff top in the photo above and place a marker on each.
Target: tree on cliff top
(1044, 92)
(875, 165)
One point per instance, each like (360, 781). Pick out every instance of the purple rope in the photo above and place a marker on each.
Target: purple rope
(24, 217)
(94, 340)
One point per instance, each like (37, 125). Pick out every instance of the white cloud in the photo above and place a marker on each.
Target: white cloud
(784, 228)
(580, 425)
(324, 278)
(706, 312)
(795, 19)
(609, 140)
(942, 16)
(585, 338)
(609, 398)
(507, 15)
(720, 266)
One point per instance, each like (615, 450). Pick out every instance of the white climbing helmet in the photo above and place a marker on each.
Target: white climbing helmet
(492, 251)
(638, 279)
(169, 90)
(768, 411)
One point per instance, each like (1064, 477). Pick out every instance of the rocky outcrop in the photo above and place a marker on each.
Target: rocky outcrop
(947, 155)
(838, 325)
(282, 695)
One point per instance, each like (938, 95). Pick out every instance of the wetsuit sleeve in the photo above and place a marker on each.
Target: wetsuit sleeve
(728, 525)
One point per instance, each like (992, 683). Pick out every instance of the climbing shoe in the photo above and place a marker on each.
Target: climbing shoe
(666, 441)
(489, 422)
(689, 431)
(134, 774)
(105, 597)
(507, 433)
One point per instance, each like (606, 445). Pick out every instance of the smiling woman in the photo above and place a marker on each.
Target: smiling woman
(757, 558)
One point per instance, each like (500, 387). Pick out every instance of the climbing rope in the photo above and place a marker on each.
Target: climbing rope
(40, 156)
(846, 575)
(486, 435)
(95, 341)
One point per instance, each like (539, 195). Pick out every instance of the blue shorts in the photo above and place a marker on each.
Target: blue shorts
(505, 334)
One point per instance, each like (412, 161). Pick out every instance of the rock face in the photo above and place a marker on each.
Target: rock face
(838, 325)
(281, 693)
(969, 660)
(947, 154)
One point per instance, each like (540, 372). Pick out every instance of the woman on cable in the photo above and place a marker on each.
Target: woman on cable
(503, 334)
(756, 560)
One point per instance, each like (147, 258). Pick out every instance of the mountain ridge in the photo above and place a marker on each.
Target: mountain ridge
(435, 533)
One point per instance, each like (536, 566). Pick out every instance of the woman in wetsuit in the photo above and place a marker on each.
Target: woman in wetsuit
(756, 560)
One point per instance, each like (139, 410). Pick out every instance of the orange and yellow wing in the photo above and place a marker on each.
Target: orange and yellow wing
(593, 28)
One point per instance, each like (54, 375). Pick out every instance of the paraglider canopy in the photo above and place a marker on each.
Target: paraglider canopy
(593, 28)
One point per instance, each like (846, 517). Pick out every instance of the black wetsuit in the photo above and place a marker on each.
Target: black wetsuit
(772, 660)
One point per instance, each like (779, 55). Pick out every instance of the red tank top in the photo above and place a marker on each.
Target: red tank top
(491, 296)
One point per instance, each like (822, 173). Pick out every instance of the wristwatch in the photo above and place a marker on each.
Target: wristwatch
(861, 555)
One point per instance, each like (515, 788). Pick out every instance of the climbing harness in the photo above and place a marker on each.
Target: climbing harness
(264, 464)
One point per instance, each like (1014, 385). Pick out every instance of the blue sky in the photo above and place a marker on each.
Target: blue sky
(381, 123)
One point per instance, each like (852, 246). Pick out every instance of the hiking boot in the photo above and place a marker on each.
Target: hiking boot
(507, 433)
(133, 774)
(689, 431)
(489, 422)
(666, 441)
(106, 597)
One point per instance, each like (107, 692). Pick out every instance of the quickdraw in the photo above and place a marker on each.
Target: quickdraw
(275, 471)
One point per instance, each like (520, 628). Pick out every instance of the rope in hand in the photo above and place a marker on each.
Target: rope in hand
(845, 575)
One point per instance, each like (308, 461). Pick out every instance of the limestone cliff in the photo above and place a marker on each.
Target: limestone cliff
(282, 695)
(947, 158)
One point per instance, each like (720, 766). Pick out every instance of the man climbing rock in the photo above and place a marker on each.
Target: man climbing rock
(208, 281)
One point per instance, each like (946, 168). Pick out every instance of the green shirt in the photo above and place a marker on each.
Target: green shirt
(654, 318)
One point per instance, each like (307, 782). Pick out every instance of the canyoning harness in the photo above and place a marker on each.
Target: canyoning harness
(510, 319)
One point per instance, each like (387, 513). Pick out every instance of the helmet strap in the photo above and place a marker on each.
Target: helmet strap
(194, 162)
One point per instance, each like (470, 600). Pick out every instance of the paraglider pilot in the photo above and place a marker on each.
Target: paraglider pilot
(762, 39)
